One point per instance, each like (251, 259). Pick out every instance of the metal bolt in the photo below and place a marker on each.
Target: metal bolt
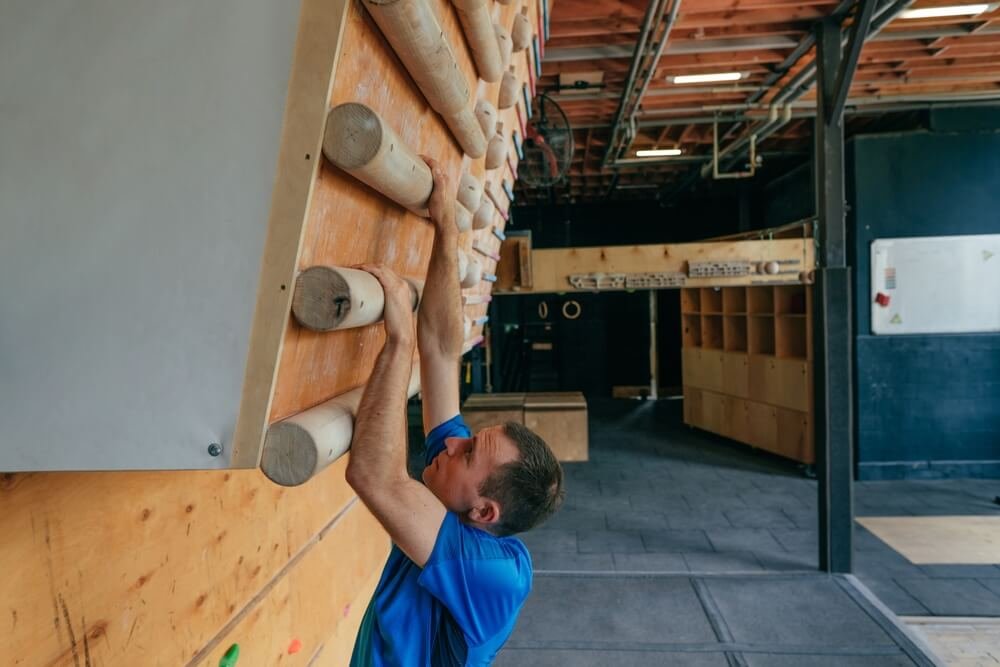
(214, 449)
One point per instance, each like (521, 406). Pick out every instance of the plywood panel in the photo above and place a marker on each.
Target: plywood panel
(736, 374)
(348, 223)
(159, 568)
(692, 406)
(703, 368)
(318, 592)
(790, 384)
(794, 437)
(737, 419)
(762, 423)
(713, 412)
(147, 566)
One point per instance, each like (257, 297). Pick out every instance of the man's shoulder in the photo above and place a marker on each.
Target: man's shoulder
(502, 556)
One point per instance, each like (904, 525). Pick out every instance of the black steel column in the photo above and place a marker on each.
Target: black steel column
(832, 344)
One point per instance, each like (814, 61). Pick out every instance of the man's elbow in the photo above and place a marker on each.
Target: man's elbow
(359, 479)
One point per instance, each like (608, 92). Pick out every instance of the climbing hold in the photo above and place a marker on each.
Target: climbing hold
(295, 646)
(230, 657)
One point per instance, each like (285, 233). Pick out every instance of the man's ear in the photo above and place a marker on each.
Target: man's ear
(487, 511)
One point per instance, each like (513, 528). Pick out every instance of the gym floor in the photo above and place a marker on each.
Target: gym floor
(678, 546)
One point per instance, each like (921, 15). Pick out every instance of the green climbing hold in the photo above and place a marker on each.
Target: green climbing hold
(230, 657)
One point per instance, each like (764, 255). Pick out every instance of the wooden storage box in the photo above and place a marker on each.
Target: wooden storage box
(482, 410)
(560, 418)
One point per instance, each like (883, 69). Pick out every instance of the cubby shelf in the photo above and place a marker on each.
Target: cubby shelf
(747, 355)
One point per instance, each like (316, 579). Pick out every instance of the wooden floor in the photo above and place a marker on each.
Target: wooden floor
(960, 642)
(952, 540)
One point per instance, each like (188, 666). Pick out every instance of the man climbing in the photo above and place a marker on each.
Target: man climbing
(456, 578)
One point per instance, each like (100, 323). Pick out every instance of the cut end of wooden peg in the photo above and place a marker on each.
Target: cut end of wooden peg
(353, 135)
(322, 298)
(290, 455)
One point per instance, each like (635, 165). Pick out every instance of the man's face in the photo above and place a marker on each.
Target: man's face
(457, 473)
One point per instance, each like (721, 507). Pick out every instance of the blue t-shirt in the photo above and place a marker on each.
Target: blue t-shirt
(460, 608)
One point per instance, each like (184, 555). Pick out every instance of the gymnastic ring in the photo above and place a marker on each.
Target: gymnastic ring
(543, 310)
(565, 308)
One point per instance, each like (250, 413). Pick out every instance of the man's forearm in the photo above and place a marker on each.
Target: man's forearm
(378, 450)
(439, 330)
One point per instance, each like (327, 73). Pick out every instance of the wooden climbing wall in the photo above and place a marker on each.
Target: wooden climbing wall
(174, 568)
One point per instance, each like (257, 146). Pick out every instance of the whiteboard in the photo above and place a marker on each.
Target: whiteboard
(935, 284)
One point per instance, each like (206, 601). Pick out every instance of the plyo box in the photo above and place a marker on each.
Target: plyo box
(560, 418)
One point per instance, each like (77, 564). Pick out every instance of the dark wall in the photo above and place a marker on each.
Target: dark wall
(630, 223)
(790, 197)
(926, 405)
(607, 344)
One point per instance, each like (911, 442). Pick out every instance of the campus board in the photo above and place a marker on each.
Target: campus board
(138, 148)
(935, 284)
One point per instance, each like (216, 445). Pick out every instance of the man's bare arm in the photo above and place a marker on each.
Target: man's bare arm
(439, 326)
(409, 512)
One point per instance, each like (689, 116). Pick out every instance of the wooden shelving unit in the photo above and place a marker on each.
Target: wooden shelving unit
(747, 365)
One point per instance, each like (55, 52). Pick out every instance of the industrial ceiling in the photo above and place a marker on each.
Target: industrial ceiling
(613, 66)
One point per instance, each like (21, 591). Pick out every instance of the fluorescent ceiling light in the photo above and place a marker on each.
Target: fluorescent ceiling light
(708, 78)
(659, 152)
(938, 12)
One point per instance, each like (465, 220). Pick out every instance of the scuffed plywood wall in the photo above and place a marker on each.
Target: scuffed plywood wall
(174, 568)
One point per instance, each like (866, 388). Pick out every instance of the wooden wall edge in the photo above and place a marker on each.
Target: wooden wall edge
(314, 66)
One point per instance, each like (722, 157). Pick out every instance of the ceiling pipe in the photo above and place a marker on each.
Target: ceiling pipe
(802, 82)
(632, 95)
(653, 12)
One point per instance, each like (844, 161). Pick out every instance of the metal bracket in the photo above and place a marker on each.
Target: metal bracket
(715, 157)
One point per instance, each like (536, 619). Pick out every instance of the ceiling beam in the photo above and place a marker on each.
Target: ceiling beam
(613, 51)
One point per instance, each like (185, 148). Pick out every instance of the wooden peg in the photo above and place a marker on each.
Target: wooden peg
(473, 273)
(463, 218)
(510, 88)
(486, 114)
(465, 127)
(470, 191)
(496, 151)
(328, 298)
(298, 448)
(412, 28)
(463, 265)
(520, 32)
(503, 40)
(484, 214)
(358, 141)
(478, 28)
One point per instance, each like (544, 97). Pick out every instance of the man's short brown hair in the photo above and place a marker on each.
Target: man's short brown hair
(530, 489)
